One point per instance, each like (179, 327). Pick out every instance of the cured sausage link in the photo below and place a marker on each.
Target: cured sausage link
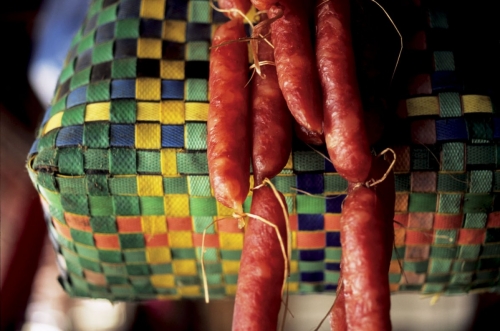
(271, 121)
(228, 138)
(295, 65)
(242, 5)
(365, 261)
(337, 317)
(345, 132)
(260, 279)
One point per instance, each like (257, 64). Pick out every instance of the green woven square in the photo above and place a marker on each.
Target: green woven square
(103, 224)
(47, 180)
(97, 185)
(481, 181)
(80, 78)
(99, 91)
(450, 203)
(439, 266)
(131, 240)
(87, 252)
(122, 161)
(445, 237)
(123, 292)
(143, 286)
(63, 241)
(332, 277)
(66, 72)
(398, 253)
(416, 266)
(126, 206)
(214, 279)
(477, 203)
(310, 205)
(492, 235)
(199, 206)
(463, 266)
(79, 284)
(48, 141)
(183, 253)
(127, 28)
(453, 157)
(76, 204)
(202, 222)
(335, 183)
(311, 287)
(290, 203)
(95, 7)
(101, 205)
(230, 254)
(175, 185)
(124, 68)
(231, 279)
(211, 254)
(54, 199)
(114, 269)
(443, 252)
(449, 104)
(196, 89)
(481, 155)
(123, 185)
(107, 15)
(491, 250)
(199, 12)
(116, 279)
(438, 19)
(401, 182)
(148, 162)
(394, 278)
(70, 257)
(86, 42)
(487, 275)
(102, 53)
(57, 212)
(96, 135)
(152, 206)
(196, 136)
(469, 251)
(422, 202)
(74, 116)
(82, 237)
(462, 278)
(96, 159)
(438, 278)
(59, 106)
(452, 182)
(444, 61)
(75, 268)
(284, 183)
(423, 158)
(71, 161)
(197, 51)
(137, 269)
(71, 185)
(192, 163)
(166, 291)
(247, 204)
(211, 268)
(308, 161)
(199, 186)
(134, 256)
(164, 268)
(311, 266)
(433, 288)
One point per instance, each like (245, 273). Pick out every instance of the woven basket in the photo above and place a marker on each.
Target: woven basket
(121, 167)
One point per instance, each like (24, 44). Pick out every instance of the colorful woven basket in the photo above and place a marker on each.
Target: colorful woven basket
(121, 167)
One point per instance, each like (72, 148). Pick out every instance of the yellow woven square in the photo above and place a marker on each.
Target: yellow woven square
(150, 185)
(289, 163)
(180, 239)
(185, 267)
(168, 161)
(148, 89)
(192, 290)
(153, 9)
(158, 255)
(196, 111)
(476, 104)
(231, 289)
(148, 111)
(154, 224)
(422, 106)
(149, 48)
(293, 286)
(231, 240)
(223, 210)
(230, 267)
(294, 266)
(172, 69)
(174, 31)
(176, 205)
(147, 136)
(294, 239)
(97, 112)
(172, 112)
(54, 122)
(163, 280)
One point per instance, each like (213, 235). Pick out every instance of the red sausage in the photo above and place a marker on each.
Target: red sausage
(311, 138)
(295, 65)
(228, 142)
(263, 4)
(345, 134)
(365, 261)
(260, 279)
(271, 121)
(242, 5)
(337, 317)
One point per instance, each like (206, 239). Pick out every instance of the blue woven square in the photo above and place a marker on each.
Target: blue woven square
(129, 9)
(333, 239)
(122, 135)
(172, 89)
(496, 128)
(312, 255)
(334, 203)
(446, 81)
(332, 266)
(317, 276)
(77, 97)
(172, 136)
(176, 10)
(150, 28)
(198, 32)
(34, 147)
(123, 89)
(311, 183)
(70, 136)
(451, 129)
(329, 166)
(311, 222)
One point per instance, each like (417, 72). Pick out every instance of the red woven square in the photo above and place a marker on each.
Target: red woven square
(228, 225)
(423, 181)
(420, 252)
(401, 220)
(402, 110)
(332, 222)
(493, 220)
(423, 132)
(311, 239)
(179, 224)
(156, 240)
(420, 84)
(94, 277)
(403, 159)
(447, 221)
(471, 236)
(128, 224)
(79, 222)
(211, 240)
(107, 241)
(418, 41)
(62, 229)
(421, 220)
(423, 237)
(294, 222)
(399, 236)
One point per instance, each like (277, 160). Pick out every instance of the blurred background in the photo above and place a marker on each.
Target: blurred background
(35, 36)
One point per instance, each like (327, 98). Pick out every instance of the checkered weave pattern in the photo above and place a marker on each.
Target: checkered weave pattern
(121, 167)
